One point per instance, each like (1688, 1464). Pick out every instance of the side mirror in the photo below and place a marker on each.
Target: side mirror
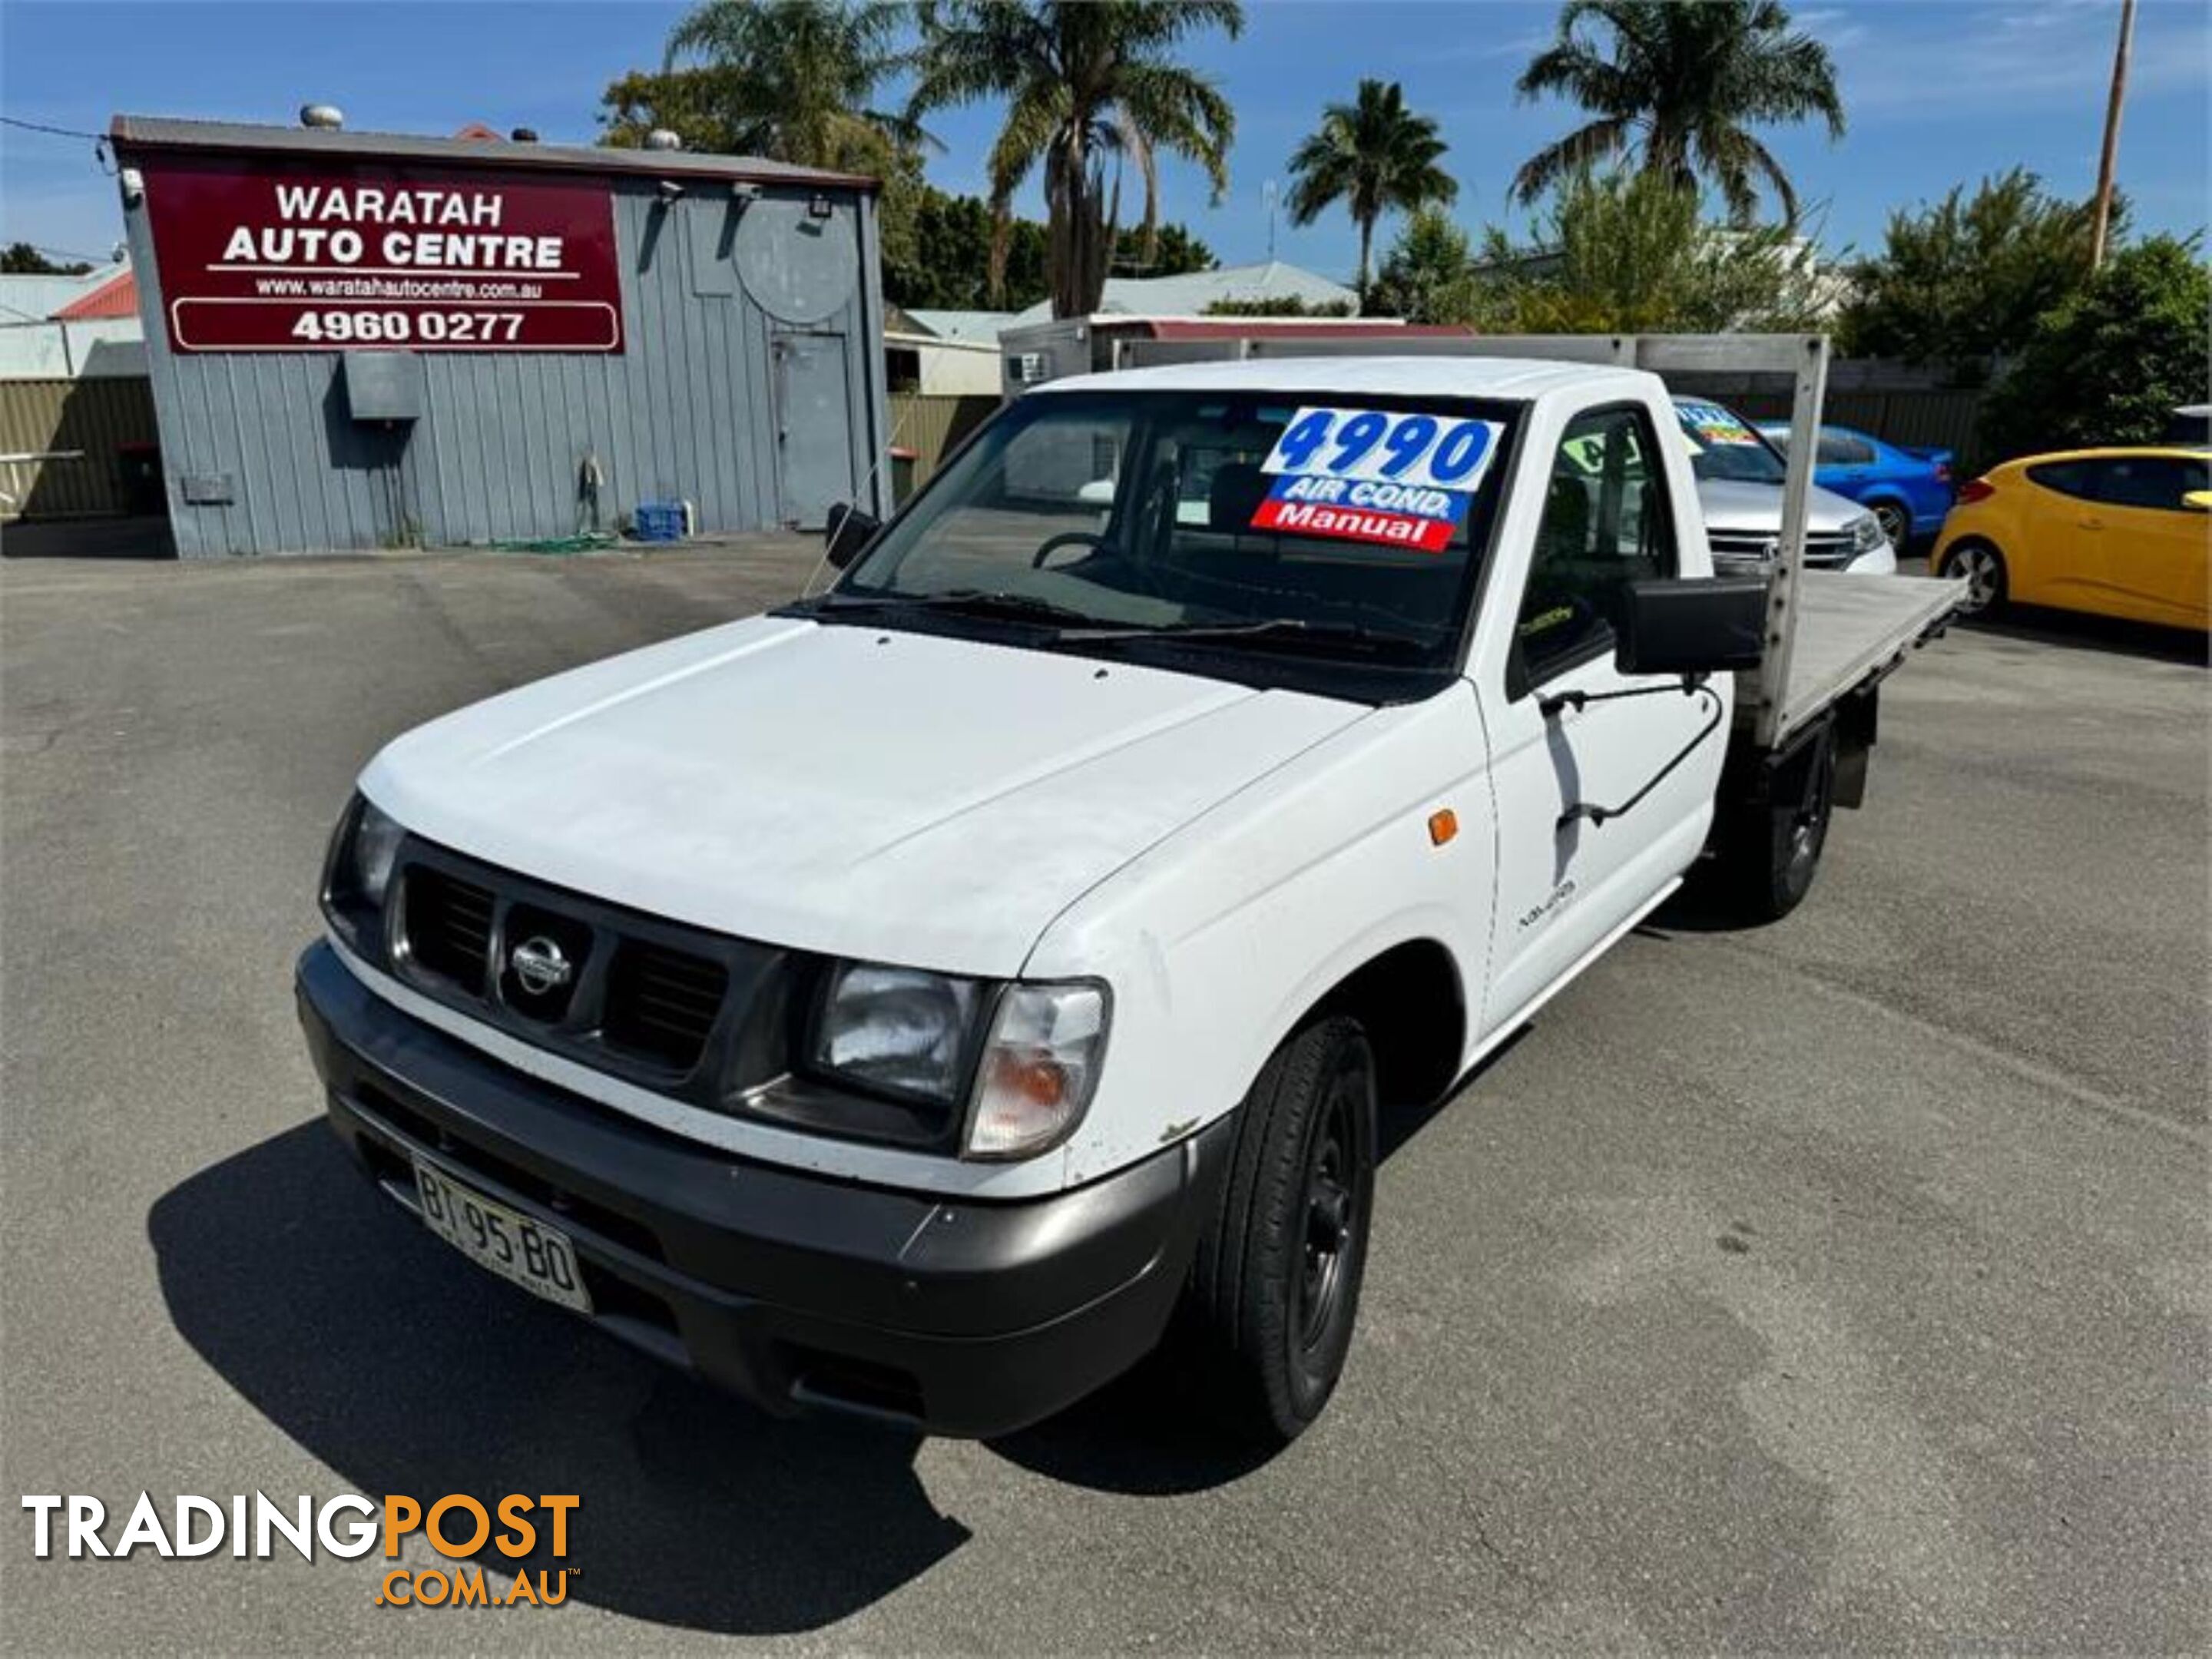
(848, 533)
(2198, 501)
(1692, 625)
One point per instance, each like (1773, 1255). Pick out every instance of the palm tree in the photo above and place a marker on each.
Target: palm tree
(1372, 155)
(793, 79)
(1088, 88)
(1679, 85)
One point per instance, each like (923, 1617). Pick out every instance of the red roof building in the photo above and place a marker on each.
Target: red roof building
(117, 296)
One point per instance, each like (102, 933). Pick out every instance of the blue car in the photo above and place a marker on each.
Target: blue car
(1908, 490)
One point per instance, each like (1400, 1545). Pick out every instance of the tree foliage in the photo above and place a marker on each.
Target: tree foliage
(21, 259)
(1678, 88)
(2109, 361)
(1174, 252)
(693, 104)
(1966, 279)
(1427, 276)
(1374, 155)
(1290, 305)
(793, 80)
(946, 260)
(1630, 253)
(1090, 89)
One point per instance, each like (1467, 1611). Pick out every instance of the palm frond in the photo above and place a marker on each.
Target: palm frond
(1586, 147)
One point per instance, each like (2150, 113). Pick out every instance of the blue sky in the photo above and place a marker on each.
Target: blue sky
(1938, 91)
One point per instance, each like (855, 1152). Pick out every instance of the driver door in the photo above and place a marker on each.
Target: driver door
(1565, 888)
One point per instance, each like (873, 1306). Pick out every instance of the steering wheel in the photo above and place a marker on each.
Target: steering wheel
(1067, 538)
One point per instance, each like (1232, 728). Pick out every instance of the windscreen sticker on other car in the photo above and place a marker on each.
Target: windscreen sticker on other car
(1710, 423)
(1401, 478)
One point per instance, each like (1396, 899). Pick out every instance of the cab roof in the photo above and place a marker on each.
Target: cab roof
(1510, 379)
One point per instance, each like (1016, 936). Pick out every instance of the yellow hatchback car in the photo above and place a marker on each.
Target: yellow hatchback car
(2118, 533)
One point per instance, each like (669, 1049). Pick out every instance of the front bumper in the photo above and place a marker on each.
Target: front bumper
(791, 1289)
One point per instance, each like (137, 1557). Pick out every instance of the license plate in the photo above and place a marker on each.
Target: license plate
(513, 1246)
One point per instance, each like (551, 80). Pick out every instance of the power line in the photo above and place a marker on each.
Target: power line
(40, 126)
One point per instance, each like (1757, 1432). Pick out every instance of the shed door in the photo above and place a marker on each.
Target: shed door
(813, 428)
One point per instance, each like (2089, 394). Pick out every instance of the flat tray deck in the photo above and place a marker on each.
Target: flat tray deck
(1849, 628)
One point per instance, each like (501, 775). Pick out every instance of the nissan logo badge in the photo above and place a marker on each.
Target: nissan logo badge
(540, 965)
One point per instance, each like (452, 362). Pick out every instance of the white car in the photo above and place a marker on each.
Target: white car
(905, 1002)
(1740, 478)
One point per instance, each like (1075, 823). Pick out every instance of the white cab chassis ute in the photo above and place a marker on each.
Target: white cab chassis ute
(921, 999)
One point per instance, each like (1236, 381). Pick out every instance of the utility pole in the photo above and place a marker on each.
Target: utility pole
(2102, 223)
(1267, 194)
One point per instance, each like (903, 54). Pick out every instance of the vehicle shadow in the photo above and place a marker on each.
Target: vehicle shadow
(360, 1335)
(1695, 908)
(2031, 624)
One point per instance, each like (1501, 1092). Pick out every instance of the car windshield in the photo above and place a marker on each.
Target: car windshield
(1280, 523)
(1724, 445)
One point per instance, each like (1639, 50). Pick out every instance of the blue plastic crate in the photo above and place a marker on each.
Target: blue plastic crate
(659, 521)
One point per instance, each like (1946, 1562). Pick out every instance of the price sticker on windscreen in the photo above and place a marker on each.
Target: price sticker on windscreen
(1371, 475)
(1710, 423)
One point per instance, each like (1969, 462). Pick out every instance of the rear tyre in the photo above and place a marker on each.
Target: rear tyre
(1274, 1291)
(1896, 523)
(1773, 848)
(1983, 568)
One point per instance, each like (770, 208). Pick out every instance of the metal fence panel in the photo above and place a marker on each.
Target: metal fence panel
(933, 426)
(102, 418)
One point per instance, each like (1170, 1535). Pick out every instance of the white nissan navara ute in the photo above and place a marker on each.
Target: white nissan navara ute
(921, 999)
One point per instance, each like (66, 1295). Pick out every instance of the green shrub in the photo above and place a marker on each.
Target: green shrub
(2109, 363)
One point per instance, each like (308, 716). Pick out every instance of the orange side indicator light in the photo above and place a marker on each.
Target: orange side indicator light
(1443, 824)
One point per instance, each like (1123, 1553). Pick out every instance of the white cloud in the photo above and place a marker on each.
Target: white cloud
(1900, 63)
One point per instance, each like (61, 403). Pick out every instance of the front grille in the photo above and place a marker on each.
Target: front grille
(626, 992)
(700, 1016)
(449, 926)
(662, 1003)
(1822, 547)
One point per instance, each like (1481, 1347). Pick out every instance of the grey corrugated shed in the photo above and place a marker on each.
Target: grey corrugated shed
(685, 412)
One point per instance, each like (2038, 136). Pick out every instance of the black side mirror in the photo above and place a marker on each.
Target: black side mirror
(1692, 625)
(848, 532)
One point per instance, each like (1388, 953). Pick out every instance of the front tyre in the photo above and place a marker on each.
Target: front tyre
(1982, 569)
(1274, 1289)
(1896, 523)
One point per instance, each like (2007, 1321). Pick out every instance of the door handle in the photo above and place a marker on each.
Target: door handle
(2093, 523)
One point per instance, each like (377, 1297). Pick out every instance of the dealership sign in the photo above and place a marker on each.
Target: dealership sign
(266, 258)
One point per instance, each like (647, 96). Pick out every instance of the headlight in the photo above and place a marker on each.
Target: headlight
(897, 1030)
(1866, 534)
(904, 1034)
(362, 856)
(1038, 1070)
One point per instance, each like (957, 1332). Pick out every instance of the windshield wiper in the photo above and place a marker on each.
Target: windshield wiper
(1290, 630)
(967, 602)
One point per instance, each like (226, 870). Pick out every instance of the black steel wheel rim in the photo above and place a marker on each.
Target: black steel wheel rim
(1329, 1202)
(1809, 824)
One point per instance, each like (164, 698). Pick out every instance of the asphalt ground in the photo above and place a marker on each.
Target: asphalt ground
(1838, 1286)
